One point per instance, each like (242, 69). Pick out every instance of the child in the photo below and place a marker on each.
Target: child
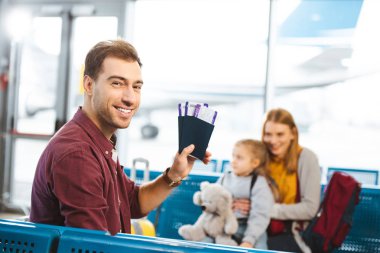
(249, 159)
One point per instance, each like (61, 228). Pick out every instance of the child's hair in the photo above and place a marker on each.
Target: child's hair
(259, 151)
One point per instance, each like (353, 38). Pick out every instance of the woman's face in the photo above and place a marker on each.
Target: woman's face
(277, 137)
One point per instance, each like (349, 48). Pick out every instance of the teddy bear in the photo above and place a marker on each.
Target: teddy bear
(217, 219)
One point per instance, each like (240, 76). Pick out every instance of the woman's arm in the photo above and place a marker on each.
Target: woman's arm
(309, 176)
(241, 205)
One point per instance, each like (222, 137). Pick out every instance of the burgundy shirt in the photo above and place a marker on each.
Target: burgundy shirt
(78, 184)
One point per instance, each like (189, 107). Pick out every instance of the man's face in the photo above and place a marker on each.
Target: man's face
(114, 96)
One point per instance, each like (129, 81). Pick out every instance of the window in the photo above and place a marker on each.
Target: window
(203, 51)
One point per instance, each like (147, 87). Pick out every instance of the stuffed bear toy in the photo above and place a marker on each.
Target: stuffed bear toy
(217, 219)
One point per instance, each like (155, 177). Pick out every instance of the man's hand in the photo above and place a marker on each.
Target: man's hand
(241, 205)
(151, 194)
(183, 163)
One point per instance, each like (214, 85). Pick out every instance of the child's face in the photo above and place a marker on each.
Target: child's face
(243, 161)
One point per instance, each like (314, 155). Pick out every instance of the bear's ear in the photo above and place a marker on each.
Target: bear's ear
(197, 198)
(204, 185)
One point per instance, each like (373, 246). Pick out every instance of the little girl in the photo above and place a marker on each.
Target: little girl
(248, 180)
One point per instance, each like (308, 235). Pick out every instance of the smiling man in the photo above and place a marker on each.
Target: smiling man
(79, 181)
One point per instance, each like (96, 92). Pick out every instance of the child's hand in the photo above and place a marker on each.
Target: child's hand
(241, 205)
(246, 245)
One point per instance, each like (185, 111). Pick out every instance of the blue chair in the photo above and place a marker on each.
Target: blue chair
(364, 235)
(187, 246)
(140, 174)
(364, 176)
(27, 237)
(178, 209)
(75, 242)
(226, 166)
(199, 166)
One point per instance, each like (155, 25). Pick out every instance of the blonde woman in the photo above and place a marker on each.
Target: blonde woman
(296, 173)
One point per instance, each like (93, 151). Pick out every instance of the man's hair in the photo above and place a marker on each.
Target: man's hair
(110, 48)
(258, 150)
(282, 116)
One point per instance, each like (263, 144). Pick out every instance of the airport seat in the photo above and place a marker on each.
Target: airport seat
(27, 237)
(178, 209)
(140, 174)
(364, 176)
(191, 246)
(199, 166)
(174, 211)
(365, 233)
(75, 242)
(226, 166)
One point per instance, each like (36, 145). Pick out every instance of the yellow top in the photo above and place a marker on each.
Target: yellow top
(287, 183)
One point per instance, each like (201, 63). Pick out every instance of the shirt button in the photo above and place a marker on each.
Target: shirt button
(106, 152)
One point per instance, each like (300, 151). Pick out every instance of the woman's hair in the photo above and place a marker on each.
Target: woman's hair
(282, 116)
(110, 48)
(258, 150)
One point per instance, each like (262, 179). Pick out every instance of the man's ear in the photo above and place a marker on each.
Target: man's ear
(88, 84)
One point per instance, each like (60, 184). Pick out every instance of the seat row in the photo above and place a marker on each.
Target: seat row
(26, 237)
(364, 176)
(178, 209)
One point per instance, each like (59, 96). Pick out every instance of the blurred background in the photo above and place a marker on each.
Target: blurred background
(319, 59)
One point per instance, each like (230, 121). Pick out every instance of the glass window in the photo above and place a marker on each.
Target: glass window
(327, 75)
(38, 89)
(25, 163)
(87, 31)
(38, 78)
(203, 51)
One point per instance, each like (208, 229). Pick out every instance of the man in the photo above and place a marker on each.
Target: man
(79, 181)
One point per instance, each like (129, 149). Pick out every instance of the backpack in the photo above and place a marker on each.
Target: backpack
(328, 229)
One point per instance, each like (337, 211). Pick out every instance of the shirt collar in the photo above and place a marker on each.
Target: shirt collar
(96, 135)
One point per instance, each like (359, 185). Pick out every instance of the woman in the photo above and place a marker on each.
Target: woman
(296, 173)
